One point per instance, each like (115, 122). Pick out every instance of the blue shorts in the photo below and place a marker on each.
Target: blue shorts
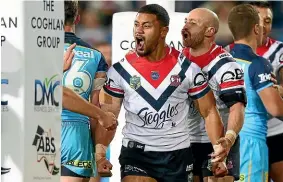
(77, 152)
(254, 159)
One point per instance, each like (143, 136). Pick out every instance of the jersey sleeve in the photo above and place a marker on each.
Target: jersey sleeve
(230, 78)
(113, 85)
(279, 60)
(102, 66)
(198, 85)
(260, 74)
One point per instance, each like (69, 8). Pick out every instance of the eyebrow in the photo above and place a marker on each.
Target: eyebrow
(144, 22)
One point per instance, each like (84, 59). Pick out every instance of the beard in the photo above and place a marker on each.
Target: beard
(194, 41)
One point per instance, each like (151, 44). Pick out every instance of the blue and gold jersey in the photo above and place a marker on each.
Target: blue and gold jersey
(257, 74)
(80, 77)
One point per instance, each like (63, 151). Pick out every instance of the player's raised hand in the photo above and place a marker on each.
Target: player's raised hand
(108, 121)
(68, 57)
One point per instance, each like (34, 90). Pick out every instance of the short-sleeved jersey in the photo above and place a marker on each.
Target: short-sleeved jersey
(257, 74)
(155, 97)
(80, 77)
(224, 76)
(273, 52)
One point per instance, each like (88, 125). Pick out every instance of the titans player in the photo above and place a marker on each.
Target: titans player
(85, 77)
(247, 28)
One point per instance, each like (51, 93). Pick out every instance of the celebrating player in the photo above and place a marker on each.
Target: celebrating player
(225, 78)
(154, 83)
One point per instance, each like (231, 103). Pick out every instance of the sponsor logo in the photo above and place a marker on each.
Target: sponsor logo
(237, 74)
(44, 95)
(199, 79)
(157, 120)
(130, 168)
(4, 103)
(242, 177)
(264, 77)
(135, 82)
(5, 170)
(155, 75)
(46, 150)
(175, 80)
(80, 164)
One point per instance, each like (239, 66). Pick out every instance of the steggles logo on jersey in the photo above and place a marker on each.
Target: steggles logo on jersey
(135, 82)
(154, 75)
(157, 120)
(175, 80)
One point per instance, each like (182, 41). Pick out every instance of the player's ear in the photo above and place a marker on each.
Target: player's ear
(210, 31)
(257, 29)
(77, 20)
(164, 31)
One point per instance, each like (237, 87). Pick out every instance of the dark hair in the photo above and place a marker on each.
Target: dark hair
(155, 9)
(71, 11)
(242, 19)
(260, 4)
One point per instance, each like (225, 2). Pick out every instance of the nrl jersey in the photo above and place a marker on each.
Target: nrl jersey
(80, 77)
(273, 52)
(155, 97)
(224, 76)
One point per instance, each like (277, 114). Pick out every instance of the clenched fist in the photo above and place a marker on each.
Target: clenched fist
(219, 169)
(104, 167)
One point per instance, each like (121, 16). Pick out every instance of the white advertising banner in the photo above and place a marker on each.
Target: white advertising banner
(32, 61)
(122, 43)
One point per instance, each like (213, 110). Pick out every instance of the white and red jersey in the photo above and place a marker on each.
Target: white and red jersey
(155, 97)
(224, 75)
(273, 52)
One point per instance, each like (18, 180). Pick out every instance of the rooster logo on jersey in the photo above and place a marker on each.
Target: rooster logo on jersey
(135, 82)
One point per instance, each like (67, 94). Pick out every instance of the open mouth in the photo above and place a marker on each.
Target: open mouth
(139, 43)
(185, 35)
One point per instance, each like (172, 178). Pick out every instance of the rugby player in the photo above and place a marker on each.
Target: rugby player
(85, 77)
(155, 83)
(246, 26)
(225, 78)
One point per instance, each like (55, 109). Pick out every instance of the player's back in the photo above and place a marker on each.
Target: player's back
(257, 72)
(80, 77)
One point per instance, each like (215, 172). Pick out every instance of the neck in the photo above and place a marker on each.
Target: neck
(201, 49)
(69, 28)
(158, 53)
(250, 42)
(265, 41)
